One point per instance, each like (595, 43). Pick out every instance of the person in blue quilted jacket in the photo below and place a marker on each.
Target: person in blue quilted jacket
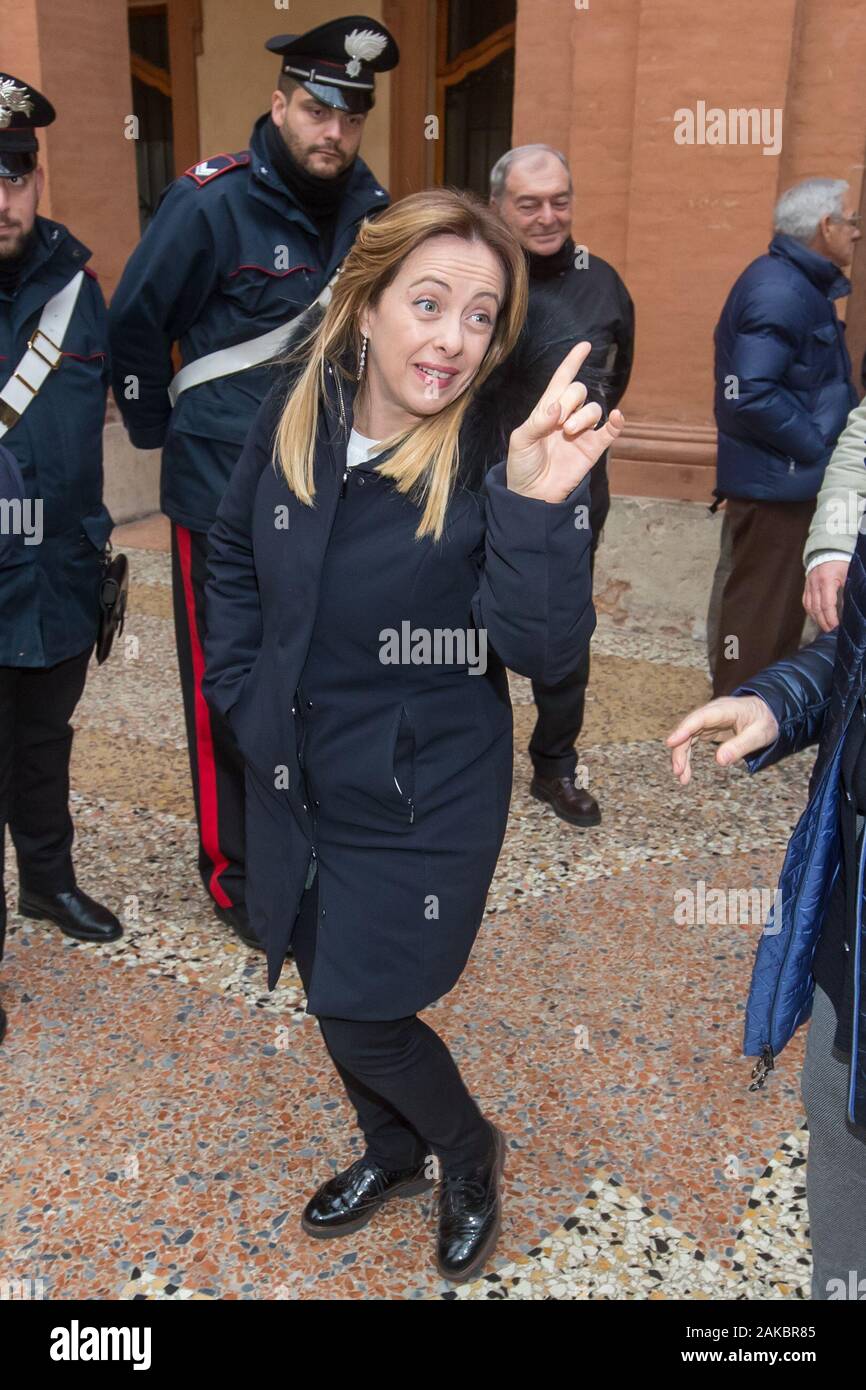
(811, 959)
(783, 392)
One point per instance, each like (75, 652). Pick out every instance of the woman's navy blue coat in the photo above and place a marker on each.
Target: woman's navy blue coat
(783, 375)
(403, 798)
(813, 696)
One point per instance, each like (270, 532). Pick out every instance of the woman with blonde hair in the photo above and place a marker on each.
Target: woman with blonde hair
(363, 605)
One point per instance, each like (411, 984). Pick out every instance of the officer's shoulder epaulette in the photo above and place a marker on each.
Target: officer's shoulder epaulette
(218, 164)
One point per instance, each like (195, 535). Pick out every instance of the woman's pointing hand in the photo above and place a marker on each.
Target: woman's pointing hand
(554, 449)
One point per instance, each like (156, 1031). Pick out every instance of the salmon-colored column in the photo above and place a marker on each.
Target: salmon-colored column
(77, 54)
(542, 75)
(603, 65)
(825, 114)
(699, 212)
(574, 89)
(825, 122)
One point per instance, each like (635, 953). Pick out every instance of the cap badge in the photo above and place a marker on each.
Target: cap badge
(12, 100)
(362, 43)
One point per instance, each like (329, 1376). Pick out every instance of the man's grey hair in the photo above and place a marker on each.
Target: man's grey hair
(800, 209)
(499, 172)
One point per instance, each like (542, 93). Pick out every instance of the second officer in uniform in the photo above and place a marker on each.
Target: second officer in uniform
(239, 246)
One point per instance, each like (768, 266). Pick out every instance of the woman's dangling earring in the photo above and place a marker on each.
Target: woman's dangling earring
(363, 357)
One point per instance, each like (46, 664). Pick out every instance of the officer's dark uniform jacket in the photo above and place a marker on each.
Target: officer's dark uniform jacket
(229, 255)
(49, 596)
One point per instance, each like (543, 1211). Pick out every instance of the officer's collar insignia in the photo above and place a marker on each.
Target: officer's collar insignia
(362, 44)
(208, 169)
(14, 99)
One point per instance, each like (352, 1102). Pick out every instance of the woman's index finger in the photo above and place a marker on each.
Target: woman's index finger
(566, 372)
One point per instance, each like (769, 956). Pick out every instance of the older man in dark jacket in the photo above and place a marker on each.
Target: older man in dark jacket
(573, 296)
(783, 393)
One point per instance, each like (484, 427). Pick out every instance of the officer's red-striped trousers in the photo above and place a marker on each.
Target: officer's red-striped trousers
(215, 762)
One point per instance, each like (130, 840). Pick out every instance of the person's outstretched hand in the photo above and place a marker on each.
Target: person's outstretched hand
(552, 451)
(821, 594)
(749, 719)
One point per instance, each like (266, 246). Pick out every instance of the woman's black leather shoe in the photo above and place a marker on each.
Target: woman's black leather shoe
(347, 1201)
(470, 1215)
(75, 913)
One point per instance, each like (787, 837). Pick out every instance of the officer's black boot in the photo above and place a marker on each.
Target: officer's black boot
(74, 912)
(470, 1214)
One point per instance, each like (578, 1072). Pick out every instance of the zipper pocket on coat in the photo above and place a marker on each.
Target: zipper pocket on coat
(403, 761)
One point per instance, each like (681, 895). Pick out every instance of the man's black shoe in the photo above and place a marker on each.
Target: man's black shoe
(347, 1201)
(470, 1215)
(74, 912)
(238, 919)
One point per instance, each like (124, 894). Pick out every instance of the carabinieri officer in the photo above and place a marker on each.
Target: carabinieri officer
(239, 246)
(53, 388)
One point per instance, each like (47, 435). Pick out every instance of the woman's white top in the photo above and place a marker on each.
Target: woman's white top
(359, 448)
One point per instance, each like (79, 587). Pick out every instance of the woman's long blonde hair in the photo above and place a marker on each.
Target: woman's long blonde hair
(427, 457)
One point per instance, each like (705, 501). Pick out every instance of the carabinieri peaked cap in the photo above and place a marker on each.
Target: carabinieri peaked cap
(337, 62)
(23, 111)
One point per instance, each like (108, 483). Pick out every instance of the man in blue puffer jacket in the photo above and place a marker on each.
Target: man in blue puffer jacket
(783, 393)
(812, 956)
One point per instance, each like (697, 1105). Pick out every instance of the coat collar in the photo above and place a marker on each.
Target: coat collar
(824, 275)
(57, 257)
(341, 389)
(364, 195)
(547, 267)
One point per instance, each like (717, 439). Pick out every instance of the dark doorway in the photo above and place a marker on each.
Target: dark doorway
(151, 104)
(475, 89)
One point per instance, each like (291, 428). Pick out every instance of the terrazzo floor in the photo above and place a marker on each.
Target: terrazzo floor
(165, 1118)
